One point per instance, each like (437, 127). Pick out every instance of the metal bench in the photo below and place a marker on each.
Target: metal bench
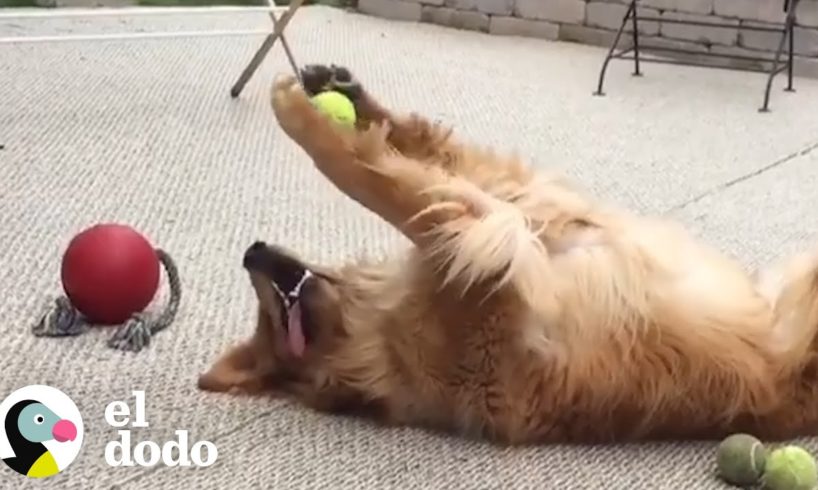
(635, 51)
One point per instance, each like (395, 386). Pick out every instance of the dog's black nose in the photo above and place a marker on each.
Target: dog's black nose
(254, 255)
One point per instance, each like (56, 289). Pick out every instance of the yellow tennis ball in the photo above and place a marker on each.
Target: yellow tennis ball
(790, 468)
(741, 459)
(336, 106)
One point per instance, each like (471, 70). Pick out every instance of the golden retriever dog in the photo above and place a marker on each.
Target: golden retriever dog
(523, 311)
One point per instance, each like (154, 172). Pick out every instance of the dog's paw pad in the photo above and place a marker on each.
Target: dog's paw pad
(315, 78)
(321, 78)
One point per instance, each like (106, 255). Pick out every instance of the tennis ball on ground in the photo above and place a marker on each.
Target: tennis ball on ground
(337, 106)
(741, 459)
(790, 468)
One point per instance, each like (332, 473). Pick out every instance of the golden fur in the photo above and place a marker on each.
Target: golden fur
(525, 311)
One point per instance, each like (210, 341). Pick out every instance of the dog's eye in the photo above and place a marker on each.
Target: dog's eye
(39, 419)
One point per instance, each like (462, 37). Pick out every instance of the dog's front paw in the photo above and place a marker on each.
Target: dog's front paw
(285, 91)
(321, 78)
(231, 382)
(291, 105)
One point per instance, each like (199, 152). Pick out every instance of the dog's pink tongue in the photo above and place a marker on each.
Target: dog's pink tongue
(295, 332)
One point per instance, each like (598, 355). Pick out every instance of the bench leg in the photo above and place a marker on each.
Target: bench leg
(611, 52)
(636, 71)
(787, 35)
(790, 61)
(279, 24)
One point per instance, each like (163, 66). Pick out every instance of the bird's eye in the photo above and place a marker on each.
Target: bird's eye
(39, 419)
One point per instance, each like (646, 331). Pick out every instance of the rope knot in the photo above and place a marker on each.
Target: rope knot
(134, 335)
(63, 320)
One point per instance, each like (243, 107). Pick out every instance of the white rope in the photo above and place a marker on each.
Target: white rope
(116, 12)
(129, 36)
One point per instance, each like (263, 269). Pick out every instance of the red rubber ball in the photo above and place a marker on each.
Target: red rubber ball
(109, 272)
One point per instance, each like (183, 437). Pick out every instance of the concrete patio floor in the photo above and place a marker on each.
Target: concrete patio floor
(145, 132)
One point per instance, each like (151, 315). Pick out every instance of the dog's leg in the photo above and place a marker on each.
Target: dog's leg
(426, 142)
(791, 286)
(432, 145)
(359, 163)
(411, 135)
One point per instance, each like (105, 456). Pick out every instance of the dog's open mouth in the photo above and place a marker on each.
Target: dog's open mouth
(286, 277)
(296, 321)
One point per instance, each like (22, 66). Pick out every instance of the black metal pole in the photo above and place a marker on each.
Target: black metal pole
(634, 17)
(605, 63)
(790, 54)
(786, 33)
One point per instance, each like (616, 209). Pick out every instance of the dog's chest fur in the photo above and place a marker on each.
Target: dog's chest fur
(448, 357)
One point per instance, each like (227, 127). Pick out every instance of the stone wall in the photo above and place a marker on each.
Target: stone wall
(596, 21)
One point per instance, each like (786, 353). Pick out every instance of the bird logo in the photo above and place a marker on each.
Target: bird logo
(43, 431)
